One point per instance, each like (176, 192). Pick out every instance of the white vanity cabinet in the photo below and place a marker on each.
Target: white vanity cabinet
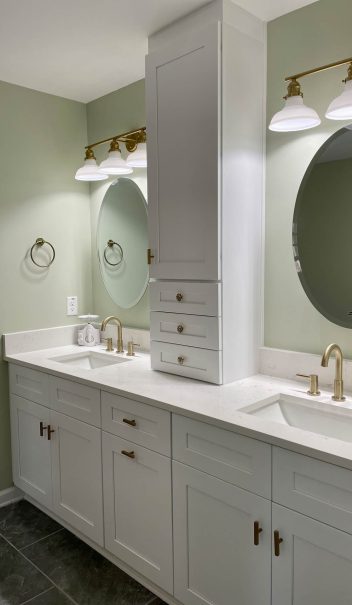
(205, 190)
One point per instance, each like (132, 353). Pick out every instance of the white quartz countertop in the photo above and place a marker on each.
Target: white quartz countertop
(218, 405)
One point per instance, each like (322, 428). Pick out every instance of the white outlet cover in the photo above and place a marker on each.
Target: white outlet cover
(72, 305)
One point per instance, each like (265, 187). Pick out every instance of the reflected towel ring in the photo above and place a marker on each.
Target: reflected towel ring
(111, 244)
(40, 241)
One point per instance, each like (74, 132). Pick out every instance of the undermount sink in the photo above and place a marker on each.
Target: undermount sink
(314, 416)
(89, 360)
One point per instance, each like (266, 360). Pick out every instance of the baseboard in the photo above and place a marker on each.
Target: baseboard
(10, 495)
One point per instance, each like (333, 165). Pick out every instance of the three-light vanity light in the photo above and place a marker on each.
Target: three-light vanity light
(297, 116)
(115, 164)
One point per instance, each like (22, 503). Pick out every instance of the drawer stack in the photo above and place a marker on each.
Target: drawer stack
(186, 332)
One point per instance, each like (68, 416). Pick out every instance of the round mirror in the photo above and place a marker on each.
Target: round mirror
(122, 242)
(322, 230)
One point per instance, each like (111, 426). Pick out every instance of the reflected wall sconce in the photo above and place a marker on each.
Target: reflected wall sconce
(295, 115)
(114, 164)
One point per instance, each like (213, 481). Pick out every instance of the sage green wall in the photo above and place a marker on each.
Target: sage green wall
(117, 112)
(41, 142)
(309, 37)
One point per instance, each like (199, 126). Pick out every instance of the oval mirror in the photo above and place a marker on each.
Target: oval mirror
(322, 229)
(122, 241)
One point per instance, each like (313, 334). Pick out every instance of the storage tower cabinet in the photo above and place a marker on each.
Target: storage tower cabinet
(205, 99)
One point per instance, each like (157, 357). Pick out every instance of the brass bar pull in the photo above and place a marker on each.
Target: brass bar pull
(257, 531)
(128, 454)
(277, 542)
(150, 256)
(129, 422)
(42, 428)
(50, 431)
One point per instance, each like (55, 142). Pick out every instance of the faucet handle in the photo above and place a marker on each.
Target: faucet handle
(130, 348)
(109, 346)
(313, 382)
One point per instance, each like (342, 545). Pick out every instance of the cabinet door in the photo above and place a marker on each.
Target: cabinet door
(137, 508)
(77, 475)
(216, 560)
(315, 562)
(182, 97)
(31, 457)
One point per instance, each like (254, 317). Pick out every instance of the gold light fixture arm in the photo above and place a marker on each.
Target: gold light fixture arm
(316, 70)
(130, 138)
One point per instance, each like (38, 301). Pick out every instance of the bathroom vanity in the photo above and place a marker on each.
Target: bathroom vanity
(204, 494)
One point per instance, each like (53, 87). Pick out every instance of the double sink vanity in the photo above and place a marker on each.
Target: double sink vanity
(200, 492)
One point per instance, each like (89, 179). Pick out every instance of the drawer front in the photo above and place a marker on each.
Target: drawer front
(30, 384)
(316, 489)
(75, 400)
(192, 362)
(185, 297)
(143, 424)
(234, 458)
(192, 330)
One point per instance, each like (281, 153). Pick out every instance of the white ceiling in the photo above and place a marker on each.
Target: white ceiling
(84, 49)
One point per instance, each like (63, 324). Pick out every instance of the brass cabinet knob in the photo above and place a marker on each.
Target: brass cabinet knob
(129, 422)
(128, 454)
(50, 431)
(277, 542)
(180, 328)
(42, 428)
(180, 360)
(179, 296)
(257, 531)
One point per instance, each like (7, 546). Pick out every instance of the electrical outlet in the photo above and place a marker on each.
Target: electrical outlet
(72, 305)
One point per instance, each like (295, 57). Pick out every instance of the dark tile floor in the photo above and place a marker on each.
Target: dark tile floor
(41, 563)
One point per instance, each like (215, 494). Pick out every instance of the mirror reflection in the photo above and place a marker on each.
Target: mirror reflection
(322, 230)
(122, 241)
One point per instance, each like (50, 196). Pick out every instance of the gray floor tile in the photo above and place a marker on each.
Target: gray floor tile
(83, 574)
(22, 524)
(50, 597)
(19, 580)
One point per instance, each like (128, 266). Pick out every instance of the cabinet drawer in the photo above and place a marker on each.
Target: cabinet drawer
(30, 384)
(75, 400)
(317, 489)
(143, 424)
(186, 297)
(192, 362)
(192, 330)
(234, 458)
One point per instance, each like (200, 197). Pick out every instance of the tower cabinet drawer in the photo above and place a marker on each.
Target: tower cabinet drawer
(316, 489)
(186, 297)
(192, 330)
(192, 362)
(76, 400)
(138, 422)
(29, 384)
(237, 459)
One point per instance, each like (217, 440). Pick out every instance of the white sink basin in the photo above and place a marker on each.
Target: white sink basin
(321, 418)
(89, 360)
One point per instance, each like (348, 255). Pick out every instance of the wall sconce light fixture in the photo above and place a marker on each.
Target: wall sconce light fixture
(297, 116)
(135, 143)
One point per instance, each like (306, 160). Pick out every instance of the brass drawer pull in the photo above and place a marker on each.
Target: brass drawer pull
(128, 454)
(180, 328)
(257, 531)
(129, 422)
(42, 428)
(181, 360)
(179, 296)
(277, 542)
(50, 431)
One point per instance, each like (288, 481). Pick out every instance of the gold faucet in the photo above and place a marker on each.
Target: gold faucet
(338, 382)
(105, 322)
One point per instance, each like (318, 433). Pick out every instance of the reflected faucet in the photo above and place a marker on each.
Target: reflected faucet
(338, 382)
(105, 322)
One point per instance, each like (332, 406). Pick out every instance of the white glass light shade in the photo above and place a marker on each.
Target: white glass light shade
(341, 107)
(138, 158)
(294, 116)
(89, 172)
(114, 164)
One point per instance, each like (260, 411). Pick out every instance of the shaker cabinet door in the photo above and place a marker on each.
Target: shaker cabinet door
(314, 566)
(216, 559)
(31, 452)
(137, 508)
(182, 97)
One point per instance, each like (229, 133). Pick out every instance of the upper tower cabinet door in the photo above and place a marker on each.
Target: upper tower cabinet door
(183, 117)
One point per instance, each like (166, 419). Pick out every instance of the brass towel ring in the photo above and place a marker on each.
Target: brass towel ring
(40, 241)
(111, 244)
